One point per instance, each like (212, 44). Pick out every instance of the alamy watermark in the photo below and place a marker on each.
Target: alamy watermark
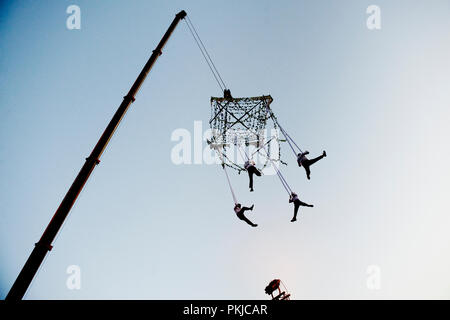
(73, 21)
(193, 148)
(373, 21)
(73, 281)
(373, 281)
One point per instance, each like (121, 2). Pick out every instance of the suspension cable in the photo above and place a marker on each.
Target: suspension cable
(229, 184)
(257, 150)
(228, 178)
(206, 51)
(205, 54)
(287, 139)
(286, 135)
(282, 179)
(240, 152)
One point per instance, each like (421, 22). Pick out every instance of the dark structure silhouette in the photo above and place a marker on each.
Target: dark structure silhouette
(297, 203)
(239, 210)
(273, 286)
(251, 170)
(44, 245)
(302, 160)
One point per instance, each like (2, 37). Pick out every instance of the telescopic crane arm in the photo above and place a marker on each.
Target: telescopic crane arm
(44, 245)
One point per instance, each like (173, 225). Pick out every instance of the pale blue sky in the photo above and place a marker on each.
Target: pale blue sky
(144, 228)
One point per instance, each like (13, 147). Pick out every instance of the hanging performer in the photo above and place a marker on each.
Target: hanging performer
(297, 203)
(302, 160)
(249, 165)
(240, 213)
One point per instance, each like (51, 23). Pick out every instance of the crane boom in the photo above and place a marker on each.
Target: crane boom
(44, 245)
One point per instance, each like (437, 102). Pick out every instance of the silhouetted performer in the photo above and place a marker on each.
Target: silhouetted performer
(297, 203)
(302, 160)
(240, 213)
(251, 169)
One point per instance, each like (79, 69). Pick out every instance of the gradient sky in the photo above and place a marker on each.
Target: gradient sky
(144, 228)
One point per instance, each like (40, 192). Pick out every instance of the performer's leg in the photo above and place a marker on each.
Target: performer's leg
(296, 206)
(244, 218)
(301, 203)
(250, 177)
(312, 161)
(249, 222)
(308, 172)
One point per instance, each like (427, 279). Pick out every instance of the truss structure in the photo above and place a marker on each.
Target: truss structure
(242, 124)
(239, 120)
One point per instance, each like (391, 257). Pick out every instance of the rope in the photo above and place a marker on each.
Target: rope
(214, 66)
(288, 140)
(239, 148)
(229, 184)
(205, 54)
(283, 181)
(240, 152)
(228, 178)
(286, 135)
(262, 146)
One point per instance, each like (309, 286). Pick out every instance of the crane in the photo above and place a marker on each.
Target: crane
(44, 245)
